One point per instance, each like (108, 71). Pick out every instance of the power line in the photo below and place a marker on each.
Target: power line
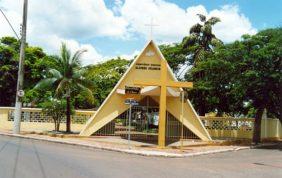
(10, 24)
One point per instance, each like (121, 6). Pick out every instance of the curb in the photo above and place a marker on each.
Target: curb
(215, 151)
(263, 145)
(128, 151)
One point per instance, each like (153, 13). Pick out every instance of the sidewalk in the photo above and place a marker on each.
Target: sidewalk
(120, 145)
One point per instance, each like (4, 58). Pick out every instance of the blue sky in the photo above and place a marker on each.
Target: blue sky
(262, 13)
(110, 28)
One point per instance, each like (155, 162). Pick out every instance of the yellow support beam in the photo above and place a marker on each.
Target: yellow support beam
(179, 84)
(147, 82)
(162, 112)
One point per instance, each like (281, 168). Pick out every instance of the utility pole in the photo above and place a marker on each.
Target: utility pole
(20, 92)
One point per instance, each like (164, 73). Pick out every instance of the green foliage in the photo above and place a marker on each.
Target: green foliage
(67, 78)
(35, 63)
(66, 75)
(11, 42)
(241, 77)
(215, 85)
(105, 76)
(201, 40)
(8, 73)
(261, 70)
(175, 56)
(56, 109)
(198, 46)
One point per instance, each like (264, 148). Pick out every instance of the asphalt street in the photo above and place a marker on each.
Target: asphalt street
(26, 158)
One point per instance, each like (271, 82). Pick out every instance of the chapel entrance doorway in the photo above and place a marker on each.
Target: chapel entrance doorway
(144, 124)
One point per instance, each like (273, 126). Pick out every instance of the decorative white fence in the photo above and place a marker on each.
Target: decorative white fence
(36, 115)
(33, 119)
(241, 128)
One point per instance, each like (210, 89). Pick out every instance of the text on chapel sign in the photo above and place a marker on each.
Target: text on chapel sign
(147, 66)
(132, 90)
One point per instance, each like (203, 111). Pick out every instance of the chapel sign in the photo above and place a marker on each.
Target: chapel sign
(132, 90)
(147, 66)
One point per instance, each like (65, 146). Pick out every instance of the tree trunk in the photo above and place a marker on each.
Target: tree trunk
(55, 123)
(202, 111)
(202, 107)
(257, 126)
(58, 126)
(68, 113)
(200, 95)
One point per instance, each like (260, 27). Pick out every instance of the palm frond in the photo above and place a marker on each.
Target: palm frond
(196, 28)
(46, 83)
(60, 64)
(189, 40)
(67, 73)
(65, 54)
(62, 86)
(216, 42)
(199, 56)
(55, 73)
(86, 92)
(202, 17)
(213, 20)
(76, 59)
(207, 29)
(84, 82)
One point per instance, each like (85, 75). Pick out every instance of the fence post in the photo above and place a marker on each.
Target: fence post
(4, 114)
(264, 124)
(278, 129)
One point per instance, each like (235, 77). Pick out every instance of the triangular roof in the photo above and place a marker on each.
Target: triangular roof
(114, 105)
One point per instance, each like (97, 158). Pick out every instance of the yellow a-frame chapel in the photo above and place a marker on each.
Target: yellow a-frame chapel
(157, 83)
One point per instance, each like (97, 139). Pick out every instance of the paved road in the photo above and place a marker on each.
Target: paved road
(24, 158)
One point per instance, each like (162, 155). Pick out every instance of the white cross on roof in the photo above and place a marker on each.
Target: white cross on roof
(151, 25)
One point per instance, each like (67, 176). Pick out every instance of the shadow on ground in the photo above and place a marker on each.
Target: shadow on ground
(274, 146)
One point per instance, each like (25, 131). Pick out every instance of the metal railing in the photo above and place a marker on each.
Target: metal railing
(144, 125)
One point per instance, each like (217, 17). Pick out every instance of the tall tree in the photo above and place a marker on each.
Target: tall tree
(245, 77)
(8, 70)
(36, 61)
(67, 77)
(260, 74)
(197, 46)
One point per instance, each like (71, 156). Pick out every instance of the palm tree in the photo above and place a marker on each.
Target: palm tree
(197, 45)
(67, 77)
(201, 39)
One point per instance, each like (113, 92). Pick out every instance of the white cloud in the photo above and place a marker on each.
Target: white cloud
(130, 56)
(168, 16)
(53, 44)
(233, 24)
(14, 18)
(72, 21)
(73, 18)
(175, 22)
(53, 22)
